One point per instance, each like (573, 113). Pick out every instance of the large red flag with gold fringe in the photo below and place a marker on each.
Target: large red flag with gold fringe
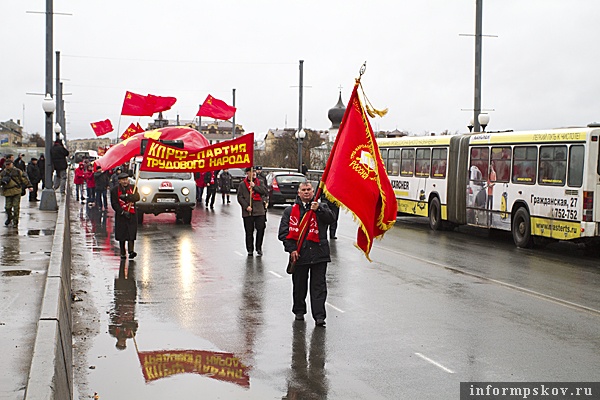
(355, 176)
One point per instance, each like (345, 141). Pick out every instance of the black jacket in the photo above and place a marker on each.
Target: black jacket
(33, 173)
(58, 155)
(125, 225)
(102, 180)
(311, 252)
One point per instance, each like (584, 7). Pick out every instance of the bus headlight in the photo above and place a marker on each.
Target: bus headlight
(185, 191)
(146, 190)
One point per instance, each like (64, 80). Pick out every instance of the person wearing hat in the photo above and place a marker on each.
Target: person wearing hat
(35, 176)
(122, 200)
(250, 195)
(20, 163)
(114, 178)
(12, 180)
(58, 156)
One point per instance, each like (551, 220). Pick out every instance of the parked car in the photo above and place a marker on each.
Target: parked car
(164, 192)
(237, 176)
(283, 186)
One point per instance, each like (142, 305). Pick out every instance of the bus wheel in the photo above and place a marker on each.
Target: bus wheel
(521, 229)
(435, 214)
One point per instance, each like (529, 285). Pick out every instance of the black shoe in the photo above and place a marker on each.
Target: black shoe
(299, 317)
(132, 255)
(123, 256)
(250, 253)
(259, 253)
(333, 237)
(320, 322)
(7, 222)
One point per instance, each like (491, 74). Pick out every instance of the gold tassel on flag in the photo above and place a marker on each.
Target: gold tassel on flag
(372, 111)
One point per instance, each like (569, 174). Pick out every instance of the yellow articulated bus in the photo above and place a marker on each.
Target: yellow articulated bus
(539, 185)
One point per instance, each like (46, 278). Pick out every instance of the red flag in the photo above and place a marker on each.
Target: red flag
(215, 108)
(130, 147)
(158, 103)
(102, 127)
(139, 128)
(101, 151)
(136, 105)
(130, 131)
(355, 166)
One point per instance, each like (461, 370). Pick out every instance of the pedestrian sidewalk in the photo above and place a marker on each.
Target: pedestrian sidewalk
(24, 260)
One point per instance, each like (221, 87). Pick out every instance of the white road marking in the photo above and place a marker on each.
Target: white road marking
(533, 293)
(437, 364)
(334, 307)
(240, 254)
(276, 274)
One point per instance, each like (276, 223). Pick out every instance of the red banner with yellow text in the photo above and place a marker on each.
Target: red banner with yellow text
(236, 153)
(221, 366)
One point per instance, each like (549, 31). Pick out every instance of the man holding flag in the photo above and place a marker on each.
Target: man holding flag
(307, 219)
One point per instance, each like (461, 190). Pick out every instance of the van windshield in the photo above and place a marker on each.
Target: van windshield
(165, 175)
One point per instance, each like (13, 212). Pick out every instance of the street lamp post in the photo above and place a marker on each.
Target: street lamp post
(484, 120)
(300, 135)
(470, 126)
(48, 200)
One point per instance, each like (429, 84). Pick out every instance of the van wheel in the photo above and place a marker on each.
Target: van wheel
(435, 214)
(186, 216)
(140, 217)
(521, 229)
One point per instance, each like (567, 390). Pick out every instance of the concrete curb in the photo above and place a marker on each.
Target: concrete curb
(51, 371)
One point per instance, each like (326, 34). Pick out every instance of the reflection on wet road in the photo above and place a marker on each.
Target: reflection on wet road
(193, 314)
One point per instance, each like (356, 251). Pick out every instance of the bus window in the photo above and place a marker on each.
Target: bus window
(438, 163)
(384, 157)
(524, 164)
(423, 162)
(576, 158)
(501, 157)
(408, 162)
(479, 161)
(553, 165)
(393, 162)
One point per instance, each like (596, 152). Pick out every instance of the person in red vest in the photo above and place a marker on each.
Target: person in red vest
(210, 179)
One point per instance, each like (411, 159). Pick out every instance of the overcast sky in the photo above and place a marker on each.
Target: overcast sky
(542, 71)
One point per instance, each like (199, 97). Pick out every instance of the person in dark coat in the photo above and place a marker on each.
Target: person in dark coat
(35, 176)
(42, 166)
(225, 186)
(210, 179)
(122, 200)
(314, 253)
(58, 155)
(20, 163)
(250, 196)
(102, 183)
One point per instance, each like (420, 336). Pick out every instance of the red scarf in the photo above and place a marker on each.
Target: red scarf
(127, 207)
(255, 196)
(212, 177)
(309, 220)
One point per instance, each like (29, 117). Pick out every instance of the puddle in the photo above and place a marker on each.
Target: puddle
(40, 232)
(16, 272)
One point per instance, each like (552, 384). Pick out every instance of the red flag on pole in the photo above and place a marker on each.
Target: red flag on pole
(158, 103)
(355, 166)
(102, 127)
(139, 128)
(136, 105)
(130, 131)
(215, 108)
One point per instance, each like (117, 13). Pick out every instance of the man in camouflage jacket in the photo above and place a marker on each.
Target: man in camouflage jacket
(12, 181)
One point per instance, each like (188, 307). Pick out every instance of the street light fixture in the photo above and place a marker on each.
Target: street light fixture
(57, 130)
(470, 126)
(300, 135)
(48, 200)
(484, 119)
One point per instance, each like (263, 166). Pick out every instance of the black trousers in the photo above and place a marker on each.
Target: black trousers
(318, 289)
(34, 192)
(251, 223)
(211, 194)
(130, 244)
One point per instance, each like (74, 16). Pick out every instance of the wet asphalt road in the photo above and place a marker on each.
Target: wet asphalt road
(432, 310)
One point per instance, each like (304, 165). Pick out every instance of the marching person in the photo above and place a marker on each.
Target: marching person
(35, 176)
(12, 180)
(314, 253)
(90, 185)
(250, 194)
(102, 183)
(122, 200)
(79, 180)
(225, 185)
(114, 178)
(210, 179)
(42, 166)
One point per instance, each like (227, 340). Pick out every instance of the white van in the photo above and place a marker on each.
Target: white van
(164, 192)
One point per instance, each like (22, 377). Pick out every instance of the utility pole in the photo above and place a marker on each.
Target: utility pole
(478, 40)
(300, 116)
